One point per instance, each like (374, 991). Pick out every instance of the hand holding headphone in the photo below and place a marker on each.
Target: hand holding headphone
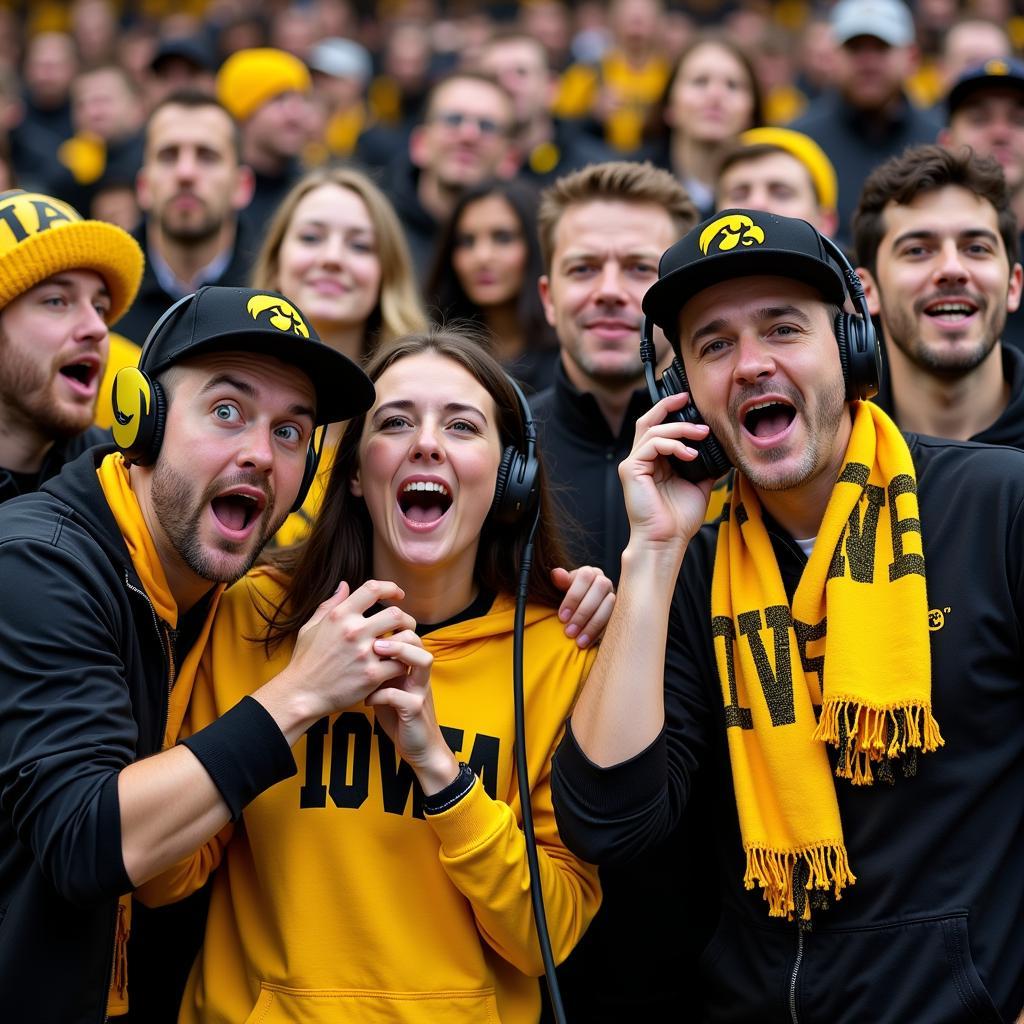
(859, 357)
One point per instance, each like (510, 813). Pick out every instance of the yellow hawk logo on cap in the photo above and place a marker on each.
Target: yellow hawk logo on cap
(284, 315)
(997, 67)
(735, 229)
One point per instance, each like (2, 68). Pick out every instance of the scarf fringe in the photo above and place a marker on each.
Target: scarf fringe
(819, 869)
(863, 734)
(119, 981)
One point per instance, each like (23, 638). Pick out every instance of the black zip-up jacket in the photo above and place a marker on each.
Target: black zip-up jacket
(931, 931)
(85, 671)
(582, 456)
(60, 453)
(1009, 428)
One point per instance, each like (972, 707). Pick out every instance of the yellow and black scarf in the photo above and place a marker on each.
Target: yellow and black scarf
(854, 643)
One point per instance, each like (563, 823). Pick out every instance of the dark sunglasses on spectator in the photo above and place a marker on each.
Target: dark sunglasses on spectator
(485, 125)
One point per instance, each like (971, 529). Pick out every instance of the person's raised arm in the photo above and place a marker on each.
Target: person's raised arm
(621, 710)
(174, 801)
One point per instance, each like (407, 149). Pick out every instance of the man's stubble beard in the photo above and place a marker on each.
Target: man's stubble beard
(823, 428)
(26, 395)
(901, 331)
(180, 513)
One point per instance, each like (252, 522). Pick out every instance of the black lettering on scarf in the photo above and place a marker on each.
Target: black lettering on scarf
(397, 779)
(807, 633)
(735, 716)
(860, 534)
(903, 564)
(778, 685)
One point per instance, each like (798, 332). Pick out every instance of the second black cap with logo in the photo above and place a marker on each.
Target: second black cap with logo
(219, 319)
(739, 243)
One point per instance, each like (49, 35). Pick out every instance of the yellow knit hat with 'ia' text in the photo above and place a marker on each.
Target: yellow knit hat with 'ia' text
(41, 236)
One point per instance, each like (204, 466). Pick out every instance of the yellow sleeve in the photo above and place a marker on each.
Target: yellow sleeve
(483, 851)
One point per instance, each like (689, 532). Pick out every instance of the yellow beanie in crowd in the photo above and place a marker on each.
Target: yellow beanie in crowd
(250, 78)
(807, 151)
(41, 236)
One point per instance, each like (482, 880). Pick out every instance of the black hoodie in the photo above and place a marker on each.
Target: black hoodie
(1009, 428)
(931, 931)
(85, 671)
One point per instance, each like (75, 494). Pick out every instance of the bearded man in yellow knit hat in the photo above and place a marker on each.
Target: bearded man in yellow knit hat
(63, 281)
(836, 664)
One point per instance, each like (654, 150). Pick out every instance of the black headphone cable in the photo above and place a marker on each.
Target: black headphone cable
(522, 775)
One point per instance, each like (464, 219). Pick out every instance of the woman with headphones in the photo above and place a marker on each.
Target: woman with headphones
(387, 880)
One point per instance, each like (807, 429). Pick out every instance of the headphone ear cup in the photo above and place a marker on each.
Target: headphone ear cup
(711, 458)
(499, 510)
(308, 476)
(140, 412)
(858, 355)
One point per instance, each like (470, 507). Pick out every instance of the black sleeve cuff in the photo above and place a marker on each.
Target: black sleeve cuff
(244, 753)
(452, 793)
(618, 789)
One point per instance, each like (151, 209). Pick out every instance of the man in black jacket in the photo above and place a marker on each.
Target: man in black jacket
(63, 280)
(867, 117)
(853, 618)
(602, 230)
(111, 573)
(936, 238)
(191, 187)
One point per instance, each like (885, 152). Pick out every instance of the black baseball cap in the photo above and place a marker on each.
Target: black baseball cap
(193, 50)
(739, 243)
(219, 319)
(997, 73)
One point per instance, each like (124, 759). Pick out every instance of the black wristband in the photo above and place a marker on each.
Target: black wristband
(244, 753)
(452, 793)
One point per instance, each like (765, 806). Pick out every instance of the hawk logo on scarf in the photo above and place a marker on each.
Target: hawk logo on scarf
(734, 229)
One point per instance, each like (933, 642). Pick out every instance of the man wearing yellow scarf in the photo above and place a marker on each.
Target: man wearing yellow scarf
(110, 576)
(837, 665)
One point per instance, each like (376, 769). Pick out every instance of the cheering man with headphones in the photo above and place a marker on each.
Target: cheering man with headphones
(111, 574)
(840, 656)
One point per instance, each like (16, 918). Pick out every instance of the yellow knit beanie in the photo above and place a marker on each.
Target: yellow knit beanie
(41, 236)
(250, 78)
(807, 151)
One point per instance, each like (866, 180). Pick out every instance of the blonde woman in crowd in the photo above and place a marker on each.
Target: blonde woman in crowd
(335, 247)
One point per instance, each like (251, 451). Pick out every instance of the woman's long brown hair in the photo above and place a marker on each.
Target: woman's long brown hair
(340, 546)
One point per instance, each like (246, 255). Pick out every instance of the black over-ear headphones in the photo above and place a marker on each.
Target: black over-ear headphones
(515, 493)
(859, 357)
(140, 411)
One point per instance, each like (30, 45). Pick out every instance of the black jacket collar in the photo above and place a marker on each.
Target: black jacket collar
(579, 414)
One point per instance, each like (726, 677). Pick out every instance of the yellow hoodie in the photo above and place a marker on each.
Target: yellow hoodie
(337, 899)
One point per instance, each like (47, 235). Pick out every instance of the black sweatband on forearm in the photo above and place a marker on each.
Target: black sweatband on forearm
(452, 793)
(244, 752)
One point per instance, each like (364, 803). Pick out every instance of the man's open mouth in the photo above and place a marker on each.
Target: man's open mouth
(424, 501)
(83, 373)
(237, 510)
(951, 309)
(768, 418)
